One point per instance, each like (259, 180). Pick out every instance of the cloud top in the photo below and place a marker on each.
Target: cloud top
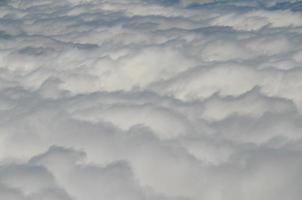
(150, 99)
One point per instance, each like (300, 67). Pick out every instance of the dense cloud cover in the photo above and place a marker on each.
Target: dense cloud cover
(150, 100)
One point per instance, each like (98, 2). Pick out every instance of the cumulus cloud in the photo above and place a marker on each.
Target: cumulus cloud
(150, 99)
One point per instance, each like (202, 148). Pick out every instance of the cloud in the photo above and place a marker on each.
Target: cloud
(150, 99)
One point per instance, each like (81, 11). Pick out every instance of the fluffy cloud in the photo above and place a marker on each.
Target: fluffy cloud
(150, 99)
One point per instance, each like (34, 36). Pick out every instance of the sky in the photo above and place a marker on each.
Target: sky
(150, 100)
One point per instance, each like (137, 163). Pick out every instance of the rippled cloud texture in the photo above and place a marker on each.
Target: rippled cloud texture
(150, 100)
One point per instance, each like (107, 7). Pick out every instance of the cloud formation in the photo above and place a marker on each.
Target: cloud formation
(150, 100)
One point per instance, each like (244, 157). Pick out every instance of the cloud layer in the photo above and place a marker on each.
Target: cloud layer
(150, 100)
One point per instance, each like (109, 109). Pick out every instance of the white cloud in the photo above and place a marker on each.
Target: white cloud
(150, 99)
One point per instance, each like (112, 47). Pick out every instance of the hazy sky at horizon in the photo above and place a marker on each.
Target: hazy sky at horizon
(150, 100)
